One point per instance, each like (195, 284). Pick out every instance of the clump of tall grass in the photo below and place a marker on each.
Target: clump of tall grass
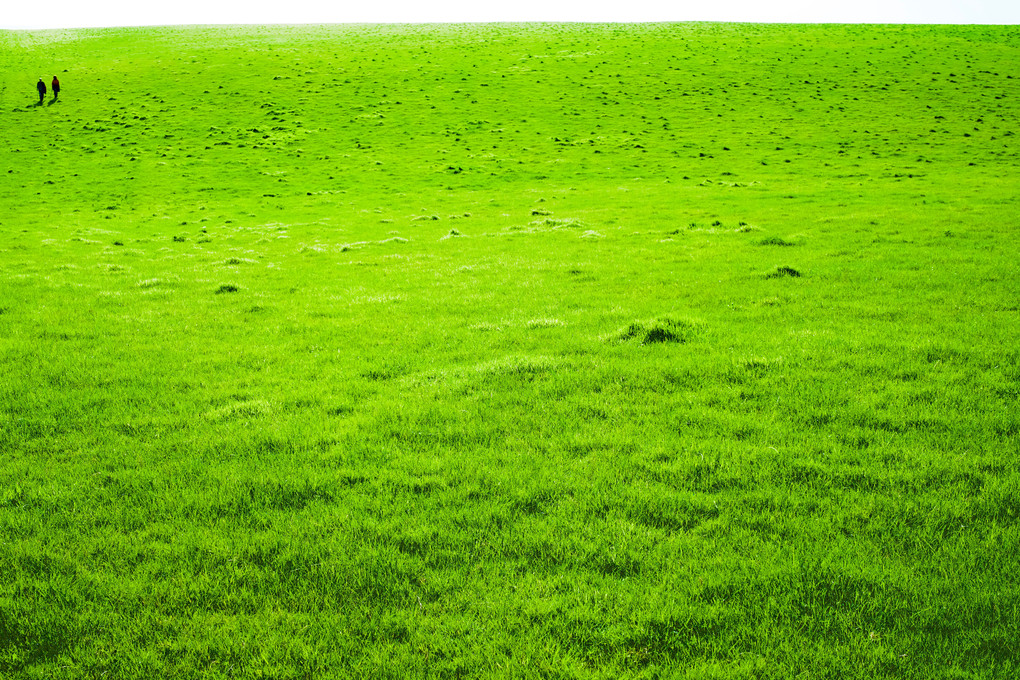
(544, 323)
(781, 272)
(658, 330)
(254, 408)
(775, 241)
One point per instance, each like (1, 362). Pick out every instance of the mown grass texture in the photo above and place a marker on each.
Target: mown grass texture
(665, 350)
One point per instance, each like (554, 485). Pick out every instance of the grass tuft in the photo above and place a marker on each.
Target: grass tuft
(775, 241)
(783, 272)
(544, 323)
(255, 408)
(660, 330)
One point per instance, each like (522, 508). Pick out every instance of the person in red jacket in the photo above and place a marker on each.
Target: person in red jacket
(55, 86)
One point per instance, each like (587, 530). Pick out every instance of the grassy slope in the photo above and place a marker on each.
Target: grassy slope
(264, 413)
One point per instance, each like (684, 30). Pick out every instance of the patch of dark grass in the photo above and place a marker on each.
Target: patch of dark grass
(782, 272)
(227, 288)
(660, 330)
(775, 241)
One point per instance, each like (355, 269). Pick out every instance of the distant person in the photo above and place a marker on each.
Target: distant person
(41, 86)
(55, 86)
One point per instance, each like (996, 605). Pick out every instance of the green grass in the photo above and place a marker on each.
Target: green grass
(588, 351)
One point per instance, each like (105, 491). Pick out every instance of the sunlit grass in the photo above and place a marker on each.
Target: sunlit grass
(510, 351)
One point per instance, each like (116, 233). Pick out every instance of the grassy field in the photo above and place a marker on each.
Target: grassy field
(566, 351)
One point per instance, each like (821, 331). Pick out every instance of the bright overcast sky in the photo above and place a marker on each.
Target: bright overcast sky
(22, 14)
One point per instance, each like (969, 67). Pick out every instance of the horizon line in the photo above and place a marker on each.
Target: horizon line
(498, 22)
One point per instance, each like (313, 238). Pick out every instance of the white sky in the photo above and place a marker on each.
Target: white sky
(31, 14)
